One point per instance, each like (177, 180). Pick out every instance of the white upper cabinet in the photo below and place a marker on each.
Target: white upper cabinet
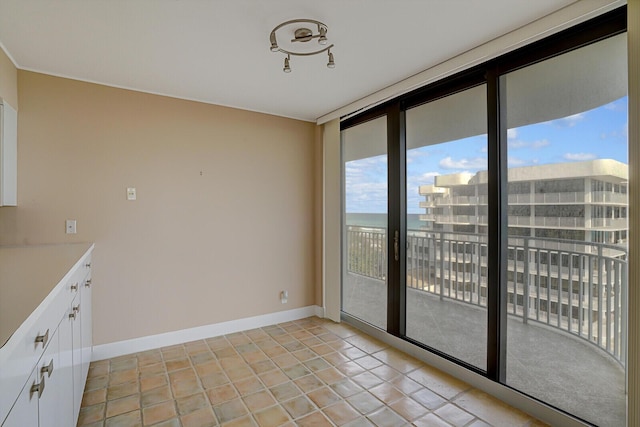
(8, 155)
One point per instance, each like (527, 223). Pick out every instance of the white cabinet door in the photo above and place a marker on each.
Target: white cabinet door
(86, 326)
(65, 370)
(78, 381)
(25, 411)
(49, 404)
(8, 155)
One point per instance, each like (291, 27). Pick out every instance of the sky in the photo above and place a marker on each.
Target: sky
(600, 133)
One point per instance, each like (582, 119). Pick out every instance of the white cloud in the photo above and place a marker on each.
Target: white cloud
(616, 106)
(518, 144)
(422, 179)
(477, 163)
(569, 121)
(539, 144)
(416, 154)
(366, 197)
(514, 161)
(579, 157)
(512, 133)
(622, 132)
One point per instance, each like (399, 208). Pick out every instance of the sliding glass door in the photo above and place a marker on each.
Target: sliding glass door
(364, 231)
(446, 285)
(567, 217)
(485, 219)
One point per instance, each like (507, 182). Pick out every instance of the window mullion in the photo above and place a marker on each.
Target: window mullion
(497, 225)
(397, 221)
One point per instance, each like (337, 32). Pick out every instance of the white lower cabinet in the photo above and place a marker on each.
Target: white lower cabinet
(38, 403)
(25, 410)
(51, 394)
(49, 401)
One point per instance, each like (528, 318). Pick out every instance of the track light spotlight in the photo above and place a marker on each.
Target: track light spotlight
(331, 63)
(287, 68)
(323, 35)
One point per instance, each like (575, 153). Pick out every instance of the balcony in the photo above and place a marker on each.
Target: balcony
(610, 223)
(461, 200)
(609, 198)
(567, 311)
(547, 221)
(547, 198)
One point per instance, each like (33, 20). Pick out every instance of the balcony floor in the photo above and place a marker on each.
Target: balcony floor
(549, 364)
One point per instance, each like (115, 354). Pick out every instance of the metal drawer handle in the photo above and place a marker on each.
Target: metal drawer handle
(37, 388)
(72, 315)
(43, 339)
(87, 284)
(74, 287)
(48, 369)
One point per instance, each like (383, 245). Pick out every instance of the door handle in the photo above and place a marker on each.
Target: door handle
(396, 245)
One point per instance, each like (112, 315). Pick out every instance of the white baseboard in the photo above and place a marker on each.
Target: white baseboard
(319, 311)
(120, 348)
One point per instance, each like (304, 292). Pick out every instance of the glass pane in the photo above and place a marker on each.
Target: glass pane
(364, 264)
(567, 268)
(447, 225)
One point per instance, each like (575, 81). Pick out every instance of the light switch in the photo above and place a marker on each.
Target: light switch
(71, 226)
(131, 193)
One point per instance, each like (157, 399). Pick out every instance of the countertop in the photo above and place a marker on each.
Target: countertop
(27, 276)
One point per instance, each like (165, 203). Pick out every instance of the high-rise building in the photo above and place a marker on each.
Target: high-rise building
(580, 201)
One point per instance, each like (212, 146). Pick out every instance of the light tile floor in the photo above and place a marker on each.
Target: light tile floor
(310, 372)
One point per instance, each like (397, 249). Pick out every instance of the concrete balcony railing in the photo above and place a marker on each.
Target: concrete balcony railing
(615, 223)
(609, 197)
(461, 200)
(547, 221)
(581, 291)
(429, 204)
(547, 198)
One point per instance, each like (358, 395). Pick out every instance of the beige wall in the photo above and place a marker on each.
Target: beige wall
(225, 216)
(8, 80)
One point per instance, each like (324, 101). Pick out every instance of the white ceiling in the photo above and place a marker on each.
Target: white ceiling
(217, 51)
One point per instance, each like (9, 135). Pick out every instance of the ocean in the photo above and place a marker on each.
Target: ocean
(380, 220)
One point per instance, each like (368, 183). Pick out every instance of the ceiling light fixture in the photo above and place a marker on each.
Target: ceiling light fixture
(301, 34)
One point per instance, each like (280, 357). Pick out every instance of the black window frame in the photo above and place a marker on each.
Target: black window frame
(492, 74)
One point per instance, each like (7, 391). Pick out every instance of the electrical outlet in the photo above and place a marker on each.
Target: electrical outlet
(284, 297)
(131, 193)
(71, 226)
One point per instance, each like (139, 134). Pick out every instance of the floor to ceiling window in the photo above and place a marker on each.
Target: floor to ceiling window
(506, 251)
(364, 278)
(567, 218)
(447, 190)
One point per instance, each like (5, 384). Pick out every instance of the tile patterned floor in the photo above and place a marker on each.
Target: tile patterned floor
(310, 372)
